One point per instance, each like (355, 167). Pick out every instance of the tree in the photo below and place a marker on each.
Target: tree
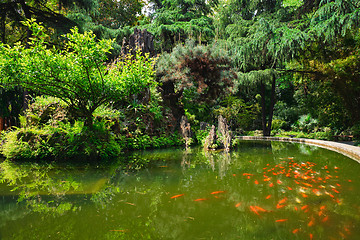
(194, 74)
(175, 21)
(117, 14)
(261, 43)
(13, 12)
(76, 75)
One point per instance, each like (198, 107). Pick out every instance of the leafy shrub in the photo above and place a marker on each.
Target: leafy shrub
(278, 124)
(65, 141)
(306, 124)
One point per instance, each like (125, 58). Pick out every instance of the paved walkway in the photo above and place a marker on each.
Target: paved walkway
(345, 149)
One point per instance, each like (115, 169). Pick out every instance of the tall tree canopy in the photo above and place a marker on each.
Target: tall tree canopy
(175, 21)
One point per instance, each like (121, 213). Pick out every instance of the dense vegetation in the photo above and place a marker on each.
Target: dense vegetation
(285, 67)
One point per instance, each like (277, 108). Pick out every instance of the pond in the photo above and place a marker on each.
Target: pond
(262, 190)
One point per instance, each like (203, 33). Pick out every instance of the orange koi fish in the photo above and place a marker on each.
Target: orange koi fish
(325, 219)
(304, 195)
(238, 205)
(234, 175)
(279, 206)
(311, 236)
(200, 199)
(217, 192)
(335, 190)
(322, 207)
(256, 182)
(176, 196)
(307, 184)
(271, 185)
(338, 185)
(311, 223)
(268, 196)
(282, 200)
(260, 209)
(295, 230)
(281, 220)
(247, 174)
(304, 207)
(289, 188)
(279, 181)
(253, 209)
(295, 208)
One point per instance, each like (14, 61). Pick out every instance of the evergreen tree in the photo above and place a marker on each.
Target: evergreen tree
(175, 21)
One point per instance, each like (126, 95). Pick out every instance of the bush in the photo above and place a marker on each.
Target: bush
(305, 124)
(65, 141)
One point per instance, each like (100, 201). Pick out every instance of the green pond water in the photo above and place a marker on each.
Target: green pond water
(262, 190)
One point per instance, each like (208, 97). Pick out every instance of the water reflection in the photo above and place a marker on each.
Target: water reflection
(251, 193)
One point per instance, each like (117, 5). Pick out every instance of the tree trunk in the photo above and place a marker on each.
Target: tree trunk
(263, 108)
(267, 122)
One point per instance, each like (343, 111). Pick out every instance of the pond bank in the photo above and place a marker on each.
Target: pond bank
(345, 149)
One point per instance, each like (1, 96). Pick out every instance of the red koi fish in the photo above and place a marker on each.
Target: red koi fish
(176, 196)
(253, 209)
(268, 196)
(325, 219)
(289, 188)
(311, 236)
(200, 199)
(279, 181)
(281, 220)
(256, 182)
(271, 185)
(217, 192)
(295, 230)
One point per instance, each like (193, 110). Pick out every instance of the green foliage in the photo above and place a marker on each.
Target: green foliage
(78, 76)
(176, 21)
(238, 114)
(65, 141)
(278, 124)
(196, 75)
(306, 124)
(31, 181)
(140, 142)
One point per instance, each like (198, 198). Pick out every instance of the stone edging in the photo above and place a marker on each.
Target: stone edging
(345, 149)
